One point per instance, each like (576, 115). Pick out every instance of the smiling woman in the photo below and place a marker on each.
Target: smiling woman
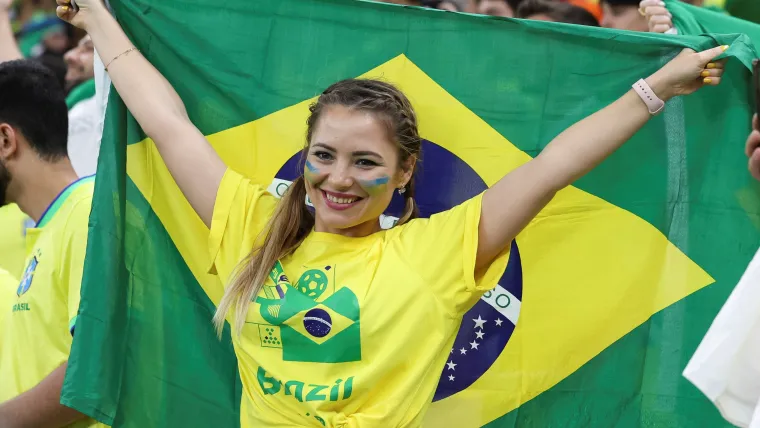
(337, 321)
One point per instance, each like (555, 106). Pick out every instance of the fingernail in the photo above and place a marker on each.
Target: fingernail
(711, 65)
(724, 47)
(705, 73)
(707, 80)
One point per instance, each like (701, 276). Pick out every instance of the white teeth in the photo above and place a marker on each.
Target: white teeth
(332, 198)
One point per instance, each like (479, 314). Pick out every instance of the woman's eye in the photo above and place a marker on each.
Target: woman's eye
(323, 156)
(366, 163)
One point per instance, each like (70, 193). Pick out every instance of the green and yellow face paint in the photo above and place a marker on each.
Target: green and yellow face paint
(311, 173)
(375, 186)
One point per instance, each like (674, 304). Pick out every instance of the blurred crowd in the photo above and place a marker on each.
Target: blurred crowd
(618, 14)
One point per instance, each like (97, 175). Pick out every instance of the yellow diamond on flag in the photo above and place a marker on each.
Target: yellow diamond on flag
(592, 271)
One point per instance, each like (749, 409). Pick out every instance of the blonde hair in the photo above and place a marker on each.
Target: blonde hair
(292, 221)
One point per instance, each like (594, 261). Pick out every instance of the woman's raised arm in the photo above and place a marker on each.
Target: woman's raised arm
(514, 200)
(191, 160)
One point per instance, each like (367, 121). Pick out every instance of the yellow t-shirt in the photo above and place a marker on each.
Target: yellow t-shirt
(349, 332)
(8, 284)
(12, 225)
(35, 335)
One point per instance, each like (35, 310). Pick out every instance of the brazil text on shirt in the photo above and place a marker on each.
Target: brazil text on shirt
(328, 339)
(45, 303)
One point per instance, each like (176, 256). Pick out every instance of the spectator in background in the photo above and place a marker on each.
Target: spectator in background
(36, 174)
(37, 28)
(450, 5)
(84, 117)
(84, 132)
(504, 8)
(554, 11)
(592, 6)
(623, 15)
(404, 2)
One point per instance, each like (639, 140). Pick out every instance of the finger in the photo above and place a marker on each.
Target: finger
(755, 123)
(709, 54)
(65, 12)
(753, 143)
(661, 20)
(715, 72)
(656, 11)
(648, 3)
(754, 164)
(711, 81)
(63, 2)
(720, 64)
(661, 28)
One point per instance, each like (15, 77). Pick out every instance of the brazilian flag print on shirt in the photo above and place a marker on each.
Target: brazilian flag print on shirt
(324, 331)
(361, 337)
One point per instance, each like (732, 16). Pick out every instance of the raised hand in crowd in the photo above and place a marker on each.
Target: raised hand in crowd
(659, 19)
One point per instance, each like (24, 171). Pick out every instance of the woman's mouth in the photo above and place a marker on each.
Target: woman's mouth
(339, 201)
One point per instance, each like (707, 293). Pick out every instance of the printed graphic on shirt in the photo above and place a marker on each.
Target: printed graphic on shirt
(488, 325)
(306, 327)
(26, 280)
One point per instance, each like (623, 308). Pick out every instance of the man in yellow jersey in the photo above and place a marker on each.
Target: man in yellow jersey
(36, 174)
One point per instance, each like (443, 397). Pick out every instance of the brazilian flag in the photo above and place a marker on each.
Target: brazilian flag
(608, 291)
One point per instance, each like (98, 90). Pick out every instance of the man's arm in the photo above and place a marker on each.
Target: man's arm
(40, 407)
(8, 46)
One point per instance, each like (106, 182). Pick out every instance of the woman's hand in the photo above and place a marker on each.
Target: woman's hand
(6, 5)
(687, 72)
(658, 17)
(752, 149)
(80, 16)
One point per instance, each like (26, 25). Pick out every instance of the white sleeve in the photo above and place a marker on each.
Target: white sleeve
(102, 90)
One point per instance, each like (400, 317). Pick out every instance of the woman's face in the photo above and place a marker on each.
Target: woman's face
(352, 169)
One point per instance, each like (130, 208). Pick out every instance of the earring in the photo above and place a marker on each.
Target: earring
(402, 190)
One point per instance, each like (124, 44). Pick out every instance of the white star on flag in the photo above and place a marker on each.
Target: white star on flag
(474, 345)
(498, 322)
(463, 351)
(479, 333)
(451, 378)
(479, 322)
(451, 365)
